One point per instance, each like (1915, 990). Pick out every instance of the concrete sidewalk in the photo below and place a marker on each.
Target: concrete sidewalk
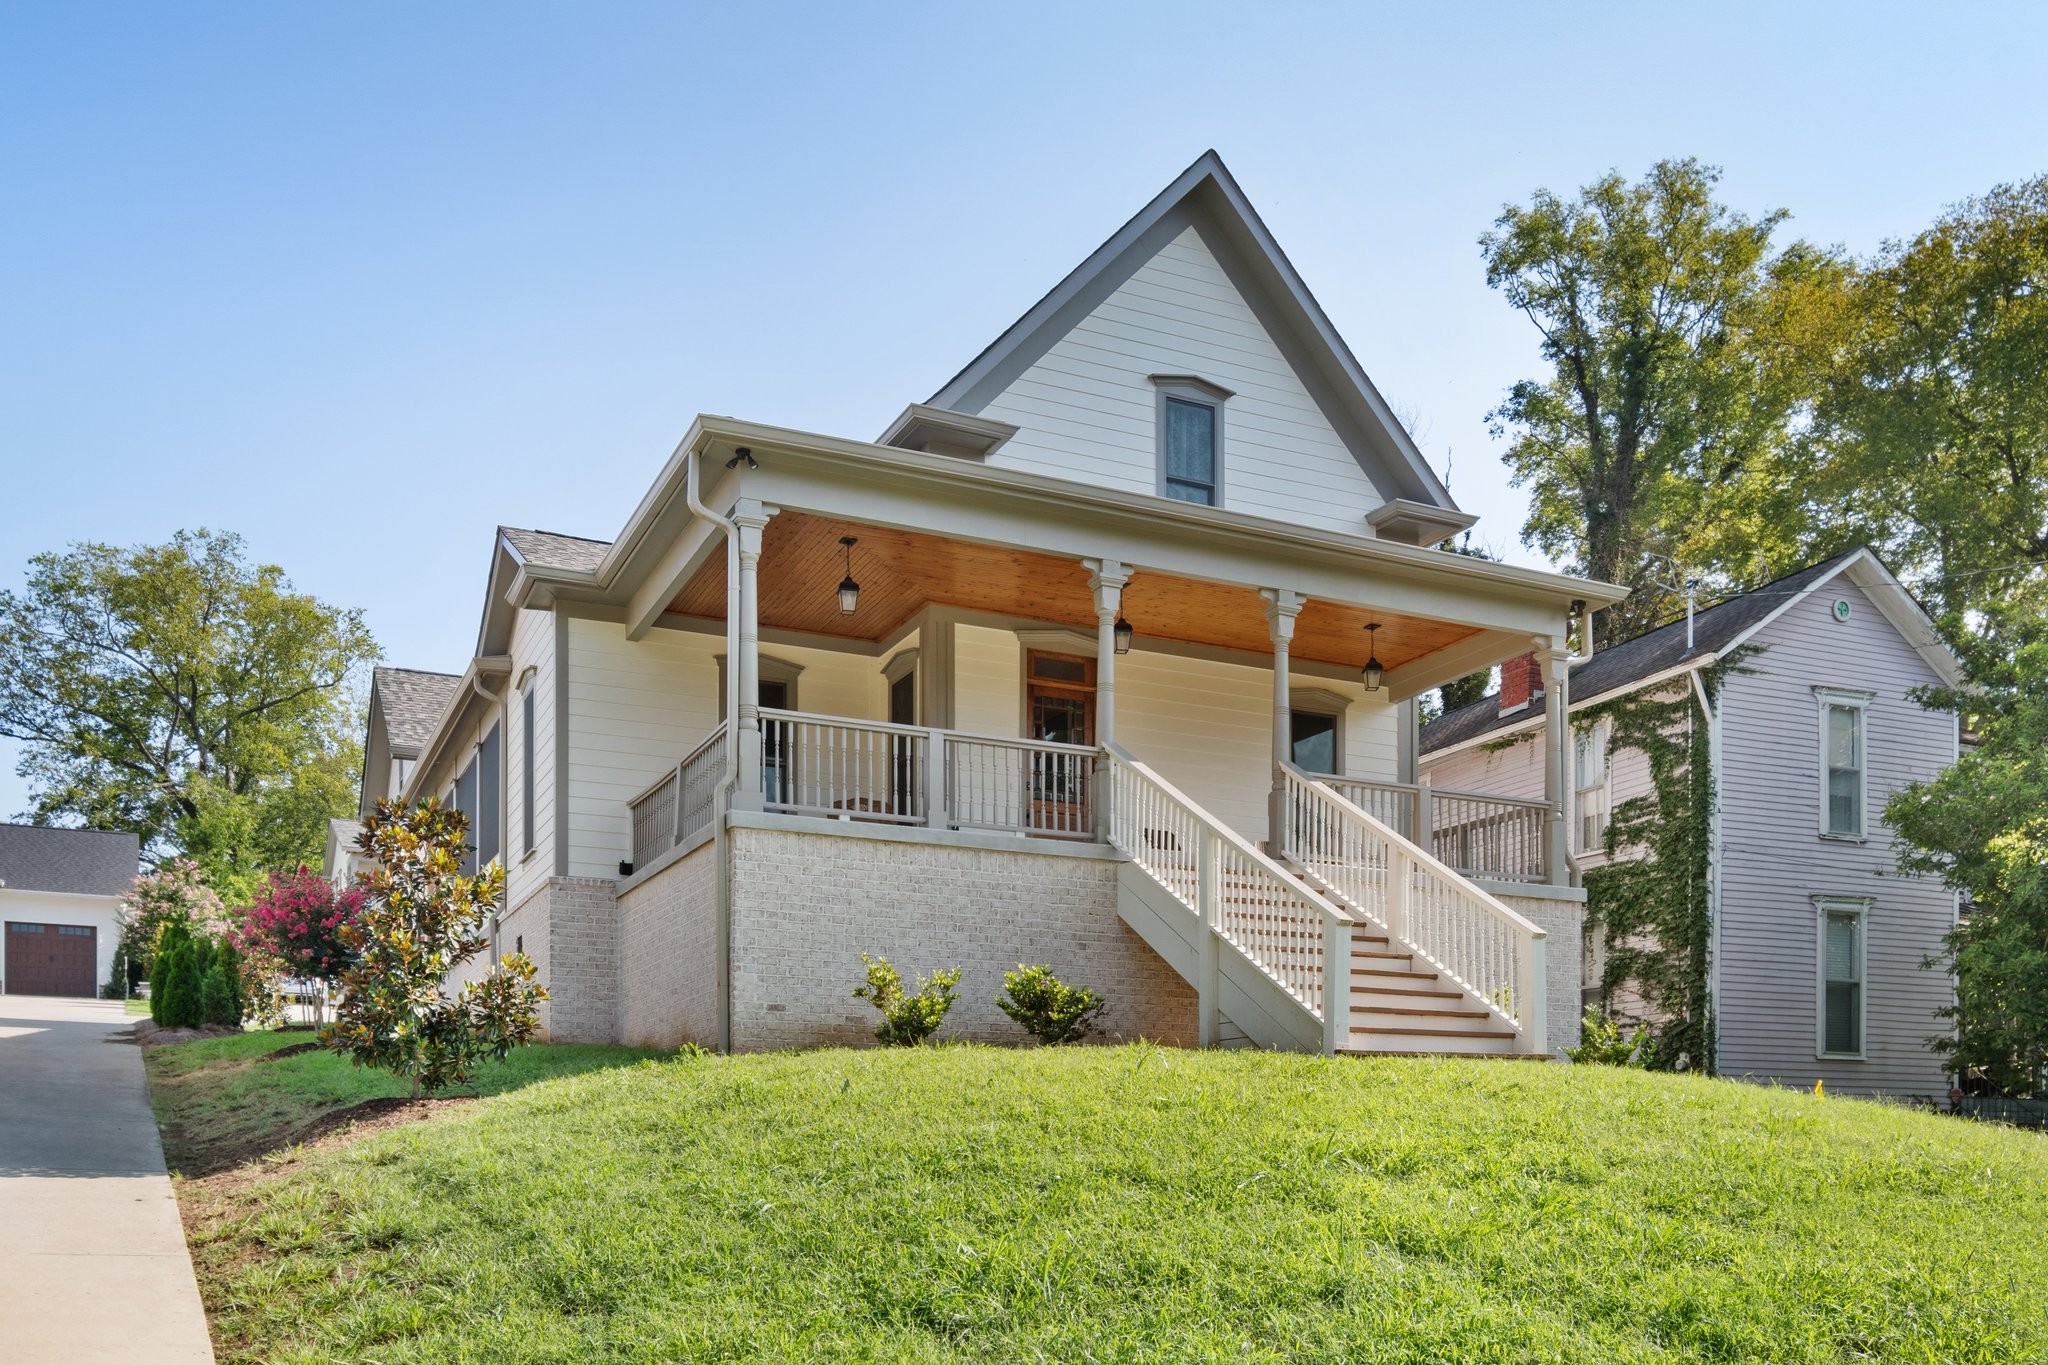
(92, 1256)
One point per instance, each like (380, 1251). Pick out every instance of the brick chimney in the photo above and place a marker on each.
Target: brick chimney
(1520, 679)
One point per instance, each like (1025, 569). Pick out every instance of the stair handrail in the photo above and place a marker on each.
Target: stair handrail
(1332, 953)
(1384, 893)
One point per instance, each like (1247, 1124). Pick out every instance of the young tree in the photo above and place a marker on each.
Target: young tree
(174, 891)
(1652, 301)
(419, 921)
(1982, 827)
(180, 692)
(299, 922)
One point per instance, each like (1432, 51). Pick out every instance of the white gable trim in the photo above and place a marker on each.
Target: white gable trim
(1206, 198)
(1892, 601)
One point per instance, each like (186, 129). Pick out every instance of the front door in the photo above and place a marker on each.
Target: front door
(775, 775)
(1059, 703)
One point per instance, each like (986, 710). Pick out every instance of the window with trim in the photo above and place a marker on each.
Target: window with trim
(1590, 769)
(1190, 439)
(1842, 955)
(526, 778)
(1316, 729)
(1843, 741)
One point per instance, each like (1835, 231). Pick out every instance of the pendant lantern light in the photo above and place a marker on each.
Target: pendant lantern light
(849, 591)
(1123, 633)
(1372, 672)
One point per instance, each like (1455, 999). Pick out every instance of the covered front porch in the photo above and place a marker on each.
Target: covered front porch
(902, 667)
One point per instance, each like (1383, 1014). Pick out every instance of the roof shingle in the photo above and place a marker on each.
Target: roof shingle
(79, 862)
(1647, 655)
(553, 550)
(412, 702)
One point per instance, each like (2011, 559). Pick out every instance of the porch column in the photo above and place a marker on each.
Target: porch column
(743, 600)
(1557, 780)
(1282, 606)
(1106, 580)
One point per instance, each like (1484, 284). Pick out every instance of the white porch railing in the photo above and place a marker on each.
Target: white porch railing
(1466, 935)
(1478, 834)
(1270, 916)
(682, 803)
(841, 768)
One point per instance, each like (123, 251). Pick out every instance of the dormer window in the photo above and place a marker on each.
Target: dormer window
(1190, 438)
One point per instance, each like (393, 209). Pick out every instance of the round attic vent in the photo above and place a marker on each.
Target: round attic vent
(1841, 609)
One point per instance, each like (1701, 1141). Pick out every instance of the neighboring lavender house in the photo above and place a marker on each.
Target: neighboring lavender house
(1082, 661)
(1818, 938)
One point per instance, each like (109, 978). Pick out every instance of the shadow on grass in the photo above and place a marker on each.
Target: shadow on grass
(223, 1102)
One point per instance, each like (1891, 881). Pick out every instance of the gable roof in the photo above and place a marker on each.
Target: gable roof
(411, 702)
(552, 549)
(1716, 630)
(79, 862)
(1206, 197)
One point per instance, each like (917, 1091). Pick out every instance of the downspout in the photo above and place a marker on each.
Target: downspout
(721, 838)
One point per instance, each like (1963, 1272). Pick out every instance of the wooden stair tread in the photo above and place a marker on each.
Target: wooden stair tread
(1423, 1012)
(1439, 1032)
(1476, 1056)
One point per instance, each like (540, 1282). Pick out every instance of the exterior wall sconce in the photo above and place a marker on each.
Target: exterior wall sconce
(1123, 633)
(1372, 672)
(849, 591)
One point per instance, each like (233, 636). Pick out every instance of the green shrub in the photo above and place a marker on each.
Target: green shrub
(1048, 1008)
(183, 1006)
(907, 1020)
(1602, 1042)
(217, 998)
(170, 934)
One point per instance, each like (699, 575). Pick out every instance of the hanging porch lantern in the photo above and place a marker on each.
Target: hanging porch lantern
(849, 591)
(1372, 672)
(1123, 633)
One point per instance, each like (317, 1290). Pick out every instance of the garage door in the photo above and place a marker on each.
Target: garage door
(52, 959)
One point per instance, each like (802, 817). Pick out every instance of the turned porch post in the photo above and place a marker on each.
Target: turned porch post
(743, 600)
(1557, 783)
(1282, 606)
(1106, 580)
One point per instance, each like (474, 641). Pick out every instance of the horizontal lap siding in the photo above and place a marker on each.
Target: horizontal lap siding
(1087, 408)
(533, 646)
(636, 707)
(1775, 860)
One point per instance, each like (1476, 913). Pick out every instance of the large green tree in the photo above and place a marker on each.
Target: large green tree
(1982, 826)
(181, 692)
(1931, 437)
(1661, 314)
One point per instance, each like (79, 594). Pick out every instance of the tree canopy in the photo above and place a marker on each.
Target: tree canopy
(181, 692)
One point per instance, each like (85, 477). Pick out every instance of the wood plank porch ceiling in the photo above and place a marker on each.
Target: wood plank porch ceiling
(900, 572)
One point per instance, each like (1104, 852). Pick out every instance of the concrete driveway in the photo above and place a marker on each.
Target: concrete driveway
(92, 1257)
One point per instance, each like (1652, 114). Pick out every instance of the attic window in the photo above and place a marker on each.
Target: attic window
(1190, 439)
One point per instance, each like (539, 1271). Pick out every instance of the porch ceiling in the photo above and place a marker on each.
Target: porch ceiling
(901, 572)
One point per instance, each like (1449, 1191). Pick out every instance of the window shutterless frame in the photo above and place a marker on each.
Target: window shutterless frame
(1841, 978)
(1188, 409)
(1844, 766)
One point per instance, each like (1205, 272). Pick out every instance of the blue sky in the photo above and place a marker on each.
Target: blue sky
(363, 281)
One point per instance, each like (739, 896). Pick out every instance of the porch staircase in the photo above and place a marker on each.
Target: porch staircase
(1355, 941)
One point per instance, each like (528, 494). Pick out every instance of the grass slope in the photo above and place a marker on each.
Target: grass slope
(1140, 1204)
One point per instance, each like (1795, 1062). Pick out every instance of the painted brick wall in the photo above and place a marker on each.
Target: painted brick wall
(525, 928)
(805, 906)
(583, 959)
(668, 982)
(1564, 923)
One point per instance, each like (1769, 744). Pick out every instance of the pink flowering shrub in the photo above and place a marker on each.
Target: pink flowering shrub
(297, 923)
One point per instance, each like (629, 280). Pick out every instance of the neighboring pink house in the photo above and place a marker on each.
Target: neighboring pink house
(1818, 937)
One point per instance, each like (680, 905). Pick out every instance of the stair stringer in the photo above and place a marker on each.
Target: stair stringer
(1257, 1005)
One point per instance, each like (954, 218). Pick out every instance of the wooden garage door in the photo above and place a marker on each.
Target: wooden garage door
(52, 959)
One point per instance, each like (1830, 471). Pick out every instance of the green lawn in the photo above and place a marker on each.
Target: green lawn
(136, 1007)
(1128, 1203)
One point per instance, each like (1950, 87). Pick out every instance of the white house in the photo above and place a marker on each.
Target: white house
(1079, 662)
(1818, 942)
(60, 890)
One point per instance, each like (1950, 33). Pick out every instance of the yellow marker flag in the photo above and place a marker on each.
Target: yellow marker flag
(1820, 1088)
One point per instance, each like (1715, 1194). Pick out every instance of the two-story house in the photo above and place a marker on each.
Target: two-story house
(1079, 662)
(1818, 939)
